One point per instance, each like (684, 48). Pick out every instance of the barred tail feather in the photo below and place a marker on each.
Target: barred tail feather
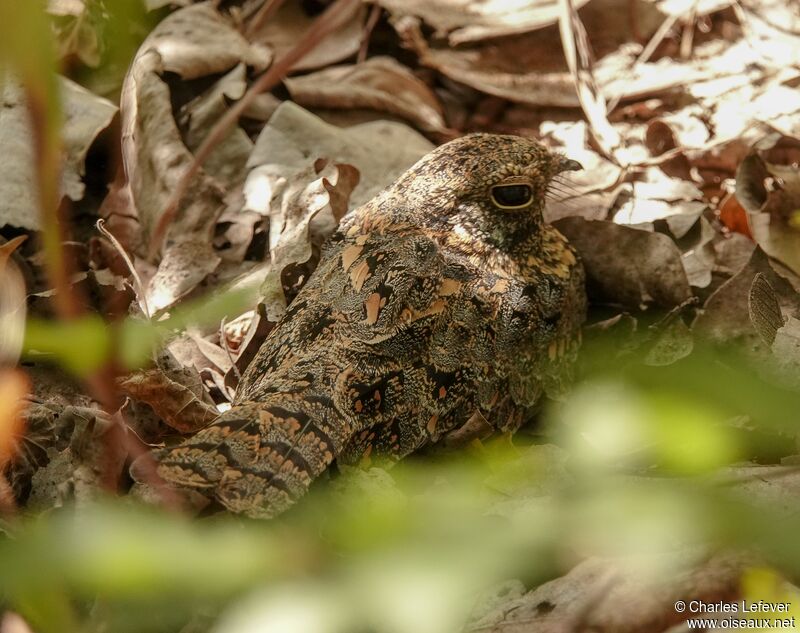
(258, 458)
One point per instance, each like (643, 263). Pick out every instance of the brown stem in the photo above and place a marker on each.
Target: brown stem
(372, 20)
(47, 175)
(267, 10)
(325, 24)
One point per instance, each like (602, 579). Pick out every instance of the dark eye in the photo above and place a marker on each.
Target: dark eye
(513, 196)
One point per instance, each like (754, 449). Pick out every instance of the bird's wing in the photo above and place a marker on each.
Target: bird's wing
(371, 354)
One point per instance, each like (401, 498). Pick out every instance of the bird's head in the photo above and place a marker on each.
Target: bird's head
(488, 187)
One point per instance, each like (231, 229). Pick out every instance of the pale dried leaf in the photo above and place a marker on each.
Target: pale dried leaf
(380, 84)
(198, 40)
(293, 138)
(85, 116)
(282, 31)
(472, 20)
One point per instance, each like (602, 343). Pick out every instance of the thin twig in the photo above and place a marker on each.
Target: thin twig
(372, 20)
(319, 29)
(267, 10)
(138, 286)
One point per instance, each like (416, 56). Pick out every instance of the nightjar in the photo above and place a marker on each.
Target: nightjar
(443, 305)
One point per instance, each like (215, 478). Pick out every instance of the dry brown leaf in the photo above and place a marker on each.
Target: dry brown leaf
(530, 68)
(85, 116)
(175, 393)
(768, 187)
(628, 266)
(726, 315)
(764, 309)
(156, 159)
(281, 32)
(380, 83)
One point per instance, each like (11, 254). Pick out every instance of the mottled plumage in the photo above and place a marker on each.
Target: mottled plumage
(431, 306)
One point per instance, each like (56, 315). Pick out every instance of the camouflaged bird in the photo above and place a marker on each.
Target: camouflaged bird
(443, 301)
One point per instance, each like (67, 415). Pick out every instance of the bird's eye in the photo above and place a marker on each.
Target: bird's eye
(512, 196)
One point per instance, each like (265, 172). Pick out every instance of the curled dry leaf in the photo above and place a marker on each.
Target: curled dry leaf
(323, 186)
(281, 32)
(85, 116)
(768, 187)
(174, 392)
(158, 161)
(726, 315)
(198, 40)
(380, 83)
(472, 20)
(193, 42)
(578, 55)
(628, 266)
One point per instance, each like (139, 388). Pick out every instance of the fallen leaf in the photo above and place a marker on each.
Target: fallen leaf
(198, 40)
(175, 393)
(725, 317)
(282, 30)
(626, 265)
(85, 116)
(156, 159)
(294, 138)
(380, 83)
(530, 67)
(768, 187)
(226, 163)
(472, 20)
(764, 309)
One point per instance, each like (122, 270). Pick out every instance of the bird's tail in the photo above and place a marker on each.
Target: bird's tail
(258, 458)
